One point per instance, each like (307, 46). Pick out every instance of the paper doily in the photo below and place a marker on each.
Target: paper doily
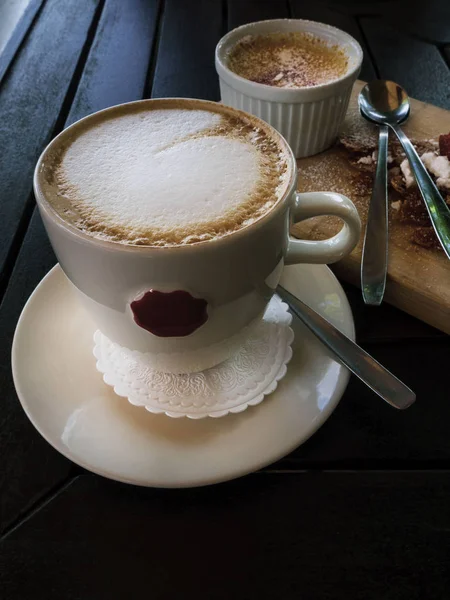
(230, 387)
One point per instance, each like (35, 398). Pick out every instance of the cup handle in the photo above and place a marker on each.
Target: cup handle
(314, 204)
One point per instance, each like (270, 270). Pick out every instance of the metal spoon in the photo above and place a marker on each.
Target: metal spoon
(375, 249)
(386, 103)
(364, 366)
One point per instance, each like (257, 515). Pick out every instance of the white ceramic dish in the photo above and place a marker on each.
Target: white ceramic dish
(78, 414)
(308, 118)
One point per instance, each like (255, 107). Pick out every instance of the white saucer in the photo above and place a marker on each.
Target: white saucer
(67, 401)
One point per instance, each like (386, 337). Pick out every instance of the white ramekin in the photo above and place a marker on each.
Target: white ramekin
(308, 118)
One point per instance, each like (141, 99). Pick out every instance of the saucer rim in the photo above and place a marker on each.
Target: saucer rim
(198, 481)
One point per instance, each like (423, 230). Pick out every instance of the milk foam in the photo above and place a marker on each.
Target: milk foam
(168, 177)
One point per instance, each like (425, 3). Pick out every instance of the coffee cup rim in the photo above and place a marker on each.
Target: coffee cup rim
(45, 206)
(288, 95)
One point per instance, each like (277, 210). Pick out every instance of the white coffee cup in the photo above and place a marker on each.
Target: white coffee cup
(309, 118)
(231, 273)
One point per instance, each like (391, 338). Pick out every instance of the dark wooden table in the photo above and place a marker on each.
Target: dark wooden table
(362, 510)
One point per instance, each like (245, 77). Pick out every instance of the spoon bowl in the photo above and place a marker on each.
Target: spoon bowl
(384, 102)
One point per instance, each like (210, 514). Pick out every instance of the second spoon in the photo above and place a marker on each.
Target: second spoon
(387, 103)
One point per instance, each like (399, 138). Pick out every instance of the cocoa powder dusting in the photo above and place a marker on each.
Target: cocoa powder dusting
(287, 60)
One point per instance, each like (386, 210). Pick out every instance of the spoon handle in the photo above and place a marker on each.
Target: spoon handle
(364, 366)
(375, 250)
(437, 208)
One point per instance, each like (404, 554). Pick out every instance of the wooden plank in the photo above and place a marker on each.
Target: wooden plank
(395, 52)
(29, 466)
(300, 535)
(117, 64)
(8, 52)
(368, 7)
(241, 12)
(446, 52)
(386, 323)
(115, 71)
(364, 432)
(319, 12)
(31, 98)
(409, 264)
(185, 59)
(429, 21)
(435, 29)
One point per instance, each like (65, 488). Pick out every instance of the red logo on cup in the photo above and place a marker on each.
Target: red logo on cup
(169, 314)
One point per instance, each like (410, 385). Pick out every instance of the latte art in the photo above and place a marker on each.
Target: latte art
(165, 173)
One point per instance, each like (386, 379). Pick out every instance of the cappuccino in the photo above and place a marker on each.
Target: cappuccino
(288, 60)
(165, 172)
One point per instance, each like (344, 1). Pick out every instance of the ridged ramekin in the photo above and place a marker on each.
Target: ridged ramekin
(308, 118)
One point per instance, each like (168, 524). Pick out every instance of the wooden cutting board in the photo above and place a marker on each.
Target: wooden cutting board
(418, 279)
